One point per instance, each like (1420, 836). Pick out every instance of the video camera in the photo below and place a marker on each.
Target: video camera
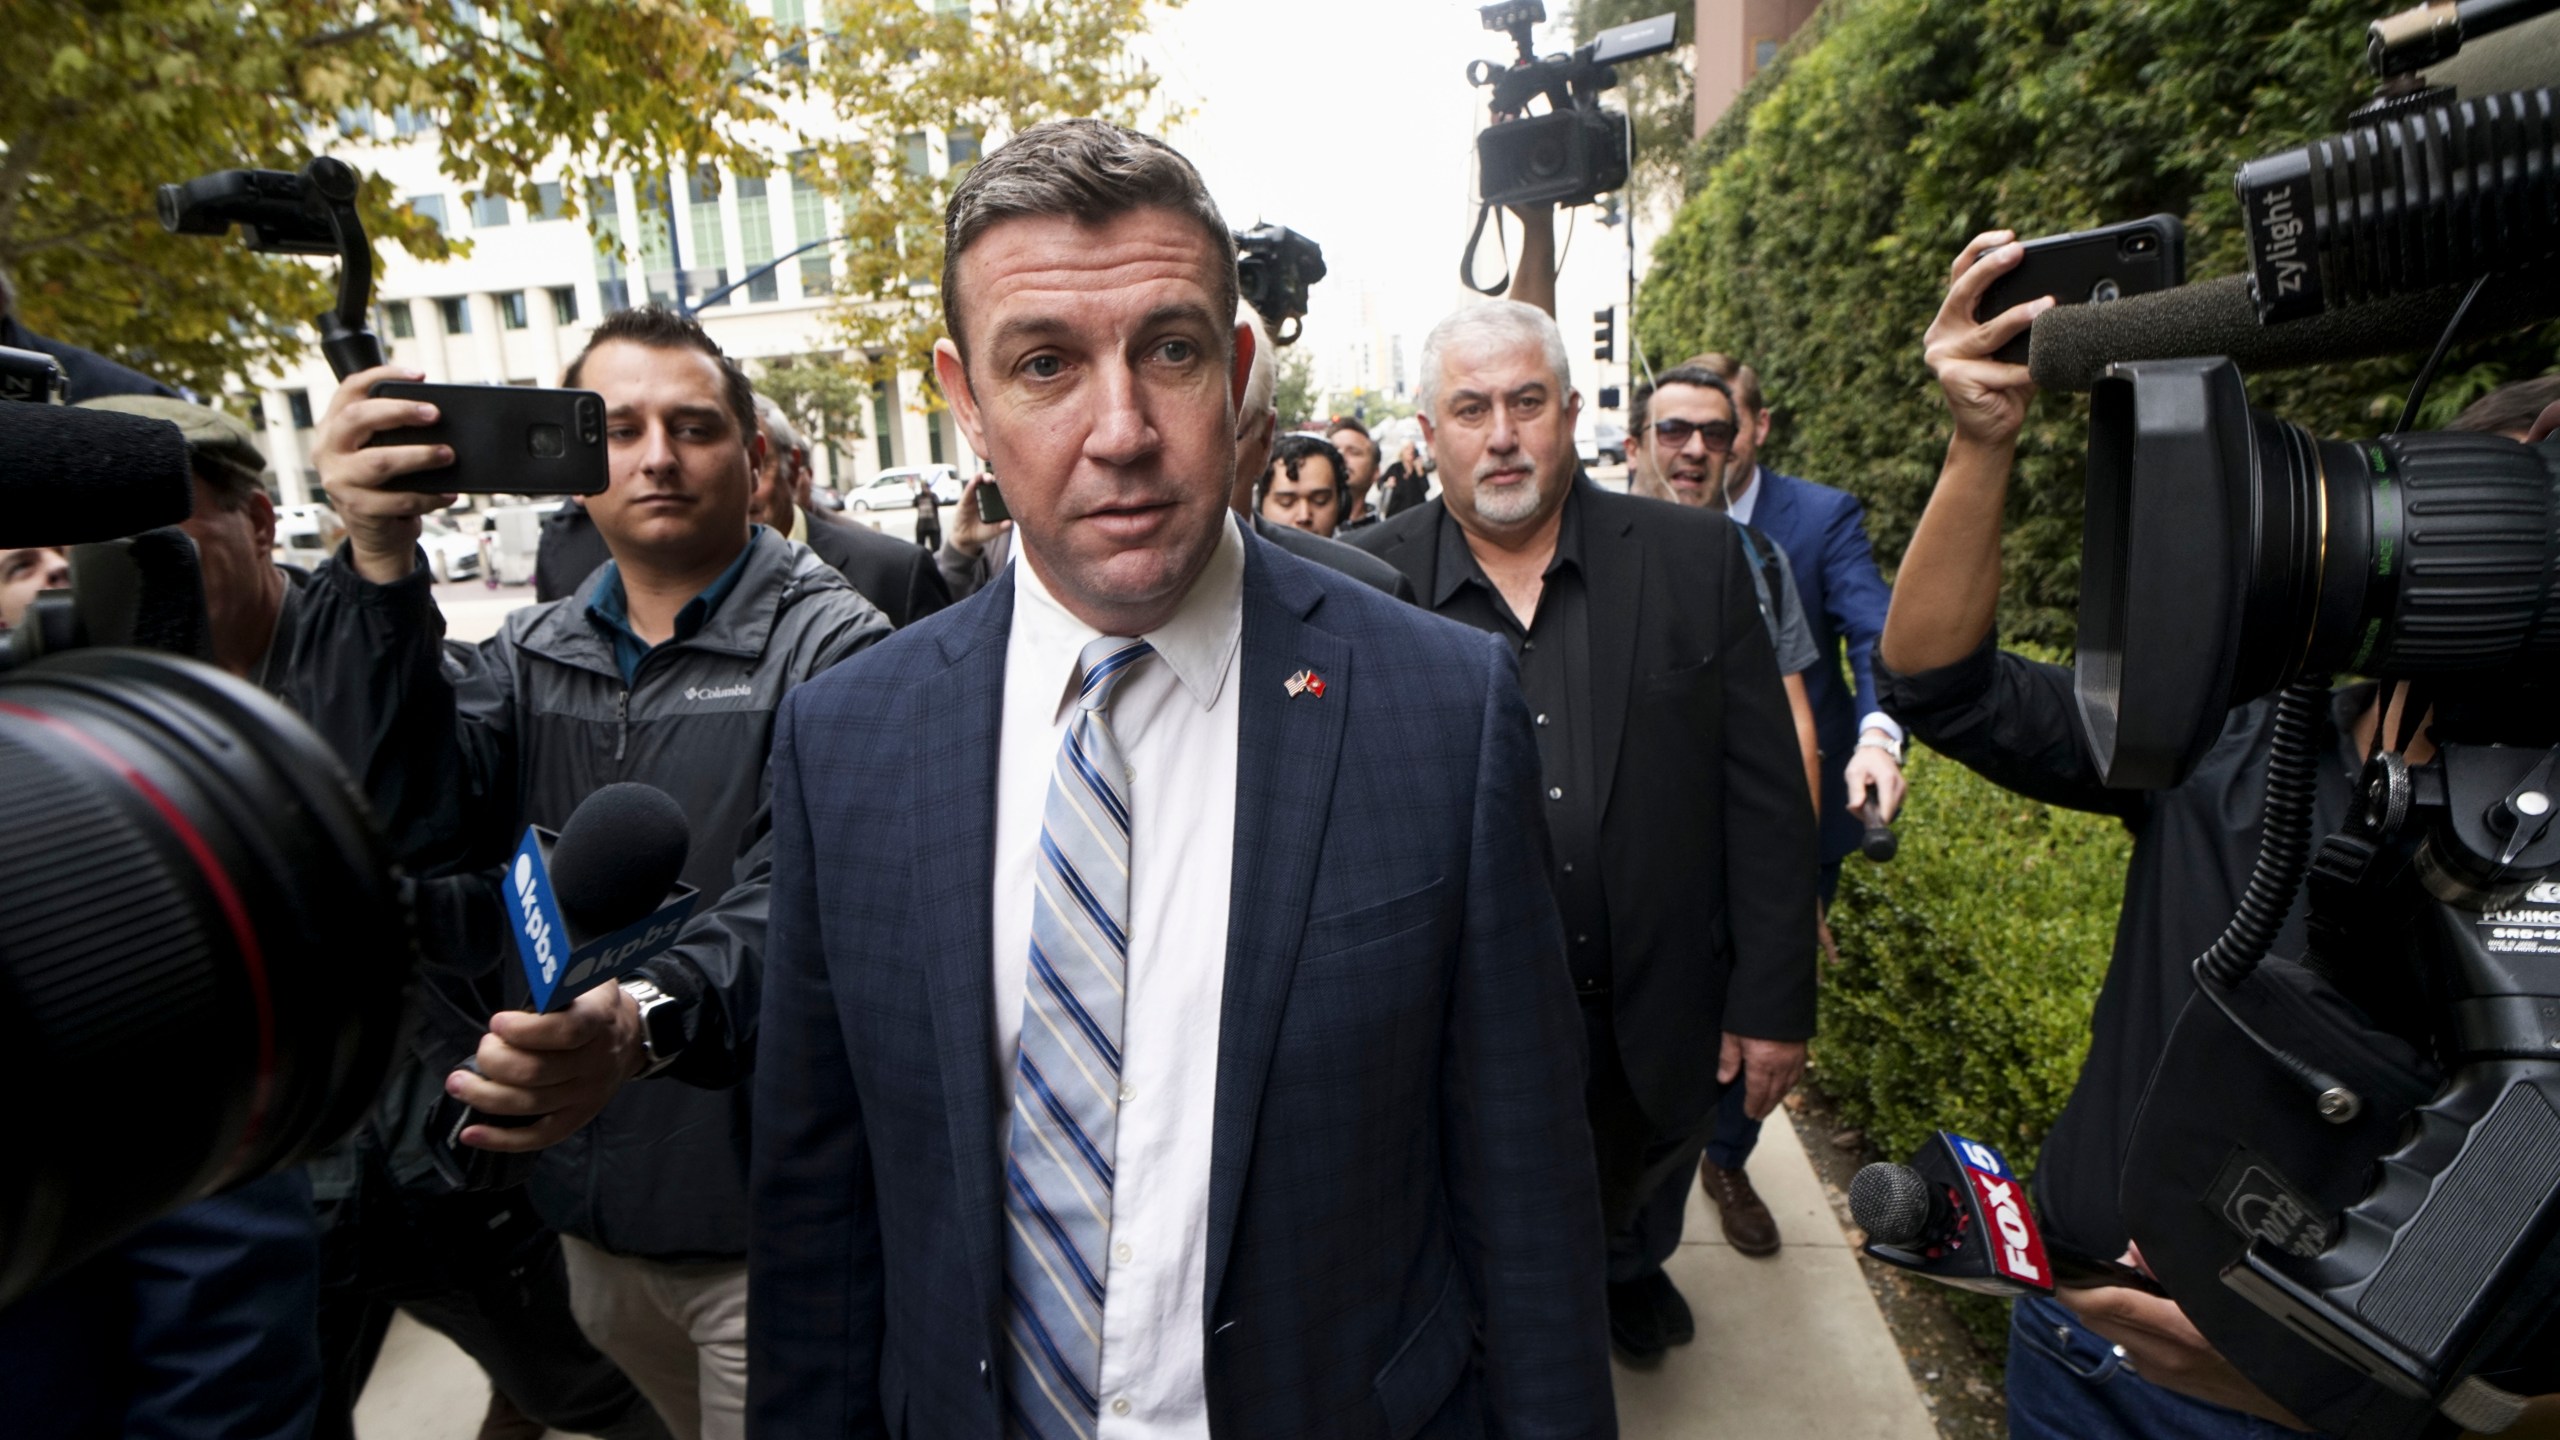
(1274, 267)
(2347, 1167)
(1577, 151)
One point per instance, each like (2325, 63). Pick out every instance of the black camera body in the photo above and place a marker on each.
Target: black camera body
(1274, 267)
(1576, 151)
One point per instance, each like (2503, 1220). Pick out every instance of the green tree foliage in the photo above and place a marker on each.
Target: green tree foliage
(902, 77)
(1293, 390)
(823, 397)
(106, 102)
(1827, 207)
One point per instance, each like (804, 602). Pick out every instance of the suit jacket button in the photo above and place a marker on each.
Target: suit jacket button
(986, 1378)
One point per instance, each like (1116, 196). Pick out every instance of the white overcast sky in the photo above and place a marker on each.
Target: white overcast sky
(1352, 122)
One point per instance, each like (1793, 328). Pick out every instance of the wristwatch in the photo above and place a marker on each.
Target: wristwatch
(661, 1024)
(1876, 740)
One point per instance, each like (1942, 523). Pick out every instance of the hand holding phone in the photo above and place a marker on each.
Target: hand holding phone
(2111, 262)
(504, 439)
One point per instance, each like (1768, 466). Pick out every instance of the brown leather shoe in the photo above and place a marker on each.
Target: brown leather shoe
(1748, 1225)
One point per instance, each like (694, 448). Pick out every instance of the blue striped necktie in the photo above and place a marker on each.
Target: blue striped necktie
(1066, 1083)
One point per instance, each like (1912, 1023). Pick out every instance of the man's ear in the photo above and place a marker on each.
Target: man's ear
(262, 519)
(953, 373)
(1242, 370)
(1759, 428)
(1423, 419)
(757, 453)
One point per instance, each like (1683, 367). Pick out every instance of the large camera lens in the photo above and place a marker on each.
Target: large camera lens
(203, 949)
(2227, 551)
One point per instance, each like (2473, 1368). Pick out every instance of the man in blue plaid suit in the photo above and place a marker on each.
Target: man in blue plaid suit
(1139, 1059)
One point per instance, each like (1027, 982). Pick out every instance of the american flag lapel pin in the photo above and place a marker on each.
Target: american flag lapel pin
(1297, 684)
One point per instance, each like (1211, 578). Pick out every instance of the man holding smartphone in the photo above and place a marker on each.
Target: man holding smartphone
(665, 668)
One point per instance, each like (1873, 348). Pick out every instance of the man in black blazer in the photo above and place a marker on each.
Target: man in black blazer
(1138, 1057)
(900, 579)
(1683, 849)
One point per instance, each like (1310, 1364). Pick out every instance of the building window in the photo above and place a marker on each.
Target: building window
(709, 271)
(961, 145)
(755, 234)
(511, 309)
(880, 423)
(408, 120)
(257, 415)
(399, 319)
(550, 201)
(455, 311)
(298, 403)
(1764, 50)
(356, 123)
(488, 212)
(429, 208)
(918, 152)
(564, 304)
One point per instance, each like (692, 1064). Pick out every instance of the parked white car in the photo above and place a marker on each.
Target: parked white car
(451, 554)
(896, 489)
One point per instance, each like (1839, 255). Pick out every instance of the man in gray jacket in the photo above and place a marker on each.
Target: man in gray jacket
(665, 668)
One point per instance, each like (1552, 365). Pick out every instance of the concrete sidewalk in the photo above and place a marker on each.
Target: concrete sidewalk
(1792, 1345)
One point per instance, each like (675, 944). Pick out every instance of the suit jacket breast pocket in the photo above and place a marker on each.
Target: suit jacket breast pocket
(1680, 680)
(1369, 924)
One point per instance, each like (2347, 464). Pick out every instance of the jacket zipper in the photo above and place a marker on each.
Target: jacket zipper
(622, 723)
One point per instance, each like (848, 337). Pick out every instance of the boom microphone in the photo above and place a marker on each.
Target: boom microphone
(2071, 346)
(72, 476)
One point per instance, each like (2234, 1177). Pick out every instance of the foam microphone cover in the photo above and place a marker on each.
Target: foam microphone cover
(70, 476)
(1891, 1203)
(2071, 346)
(618, 857)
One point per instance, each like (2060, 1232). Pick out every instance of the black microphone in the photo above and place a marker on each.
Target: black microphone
(2071, 346)
(617, 857)
(72, 476)
(1878, 844)
(1955, 1214)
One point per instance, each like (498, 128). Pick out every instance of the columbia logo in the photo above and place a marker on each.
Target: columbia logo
(725, 692)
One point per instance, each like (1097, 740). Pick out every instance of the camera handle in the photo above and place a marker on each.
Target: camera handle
(330, 188)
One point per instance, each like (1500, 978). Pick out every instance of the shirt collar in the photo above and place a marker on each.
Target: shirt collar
(1457, 564)
(612, 609)
(1198, 643)
(1747, 504)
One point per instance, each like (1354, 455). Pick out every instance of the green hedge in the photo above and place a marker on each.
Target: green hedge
(1968, 967)
(1824, 213)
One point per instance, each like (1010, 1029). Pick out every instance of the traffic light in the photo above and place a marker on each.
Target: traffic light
(1604, 334)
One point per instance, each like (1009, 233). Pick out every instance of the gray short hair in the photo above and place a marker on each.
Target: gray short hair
(1092, 172)
(779, 432)
(1262, 382)
(1506, 322)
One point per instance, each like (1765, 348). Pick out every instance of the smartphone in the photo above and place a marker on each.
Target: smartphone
(506, 439)
(2136, 257)
(991, 501)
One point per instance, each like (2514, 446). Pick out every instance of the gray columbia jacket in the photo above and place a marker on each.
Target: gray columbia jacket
(526, 725)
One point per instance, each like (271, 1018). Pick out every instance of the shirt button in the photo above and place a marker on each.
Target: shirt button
(1122, 1253)
(1528, 644)
(1568, 867)
(1128, 1093)
(1581, 939)
(1555, 792)
(1120, 1406)
(1542, 719)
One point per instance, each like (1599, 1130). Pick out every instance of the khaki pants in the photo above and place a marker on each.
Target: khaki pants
(678, 1330)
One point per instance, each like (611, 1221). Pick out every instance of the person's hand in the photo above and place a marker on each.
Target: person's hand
(968, 532)
(1987, 398)
(382, 525)
(562, 1067)
(1769, 1069)
(2165, 1348)
(1872, 767)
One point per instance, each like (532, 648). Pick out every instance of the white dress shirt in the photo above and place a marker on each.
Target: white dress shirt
(1742, 507)
(1175, 717)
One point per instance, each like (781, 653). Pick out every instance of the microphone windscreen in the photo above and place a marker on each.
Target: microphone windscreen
(1890, 1202)
(71, 476)
(2071, 346)
(167, 583)
(618, 857)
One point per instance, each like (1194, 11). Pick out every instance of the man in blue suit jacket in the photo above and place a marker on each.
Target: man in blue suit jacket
(1330, 1176)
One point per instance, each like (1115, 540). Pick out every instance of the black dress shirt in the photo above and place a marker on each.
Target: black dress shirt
(1554, 651)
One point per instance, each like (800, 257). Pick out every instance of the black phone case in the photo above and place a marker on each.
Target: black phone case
(2136, 257)
(506, 439)
(991, 508)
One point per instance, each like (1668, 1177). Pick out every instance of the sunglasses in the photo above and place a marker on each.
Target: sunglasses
(1674, 435)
